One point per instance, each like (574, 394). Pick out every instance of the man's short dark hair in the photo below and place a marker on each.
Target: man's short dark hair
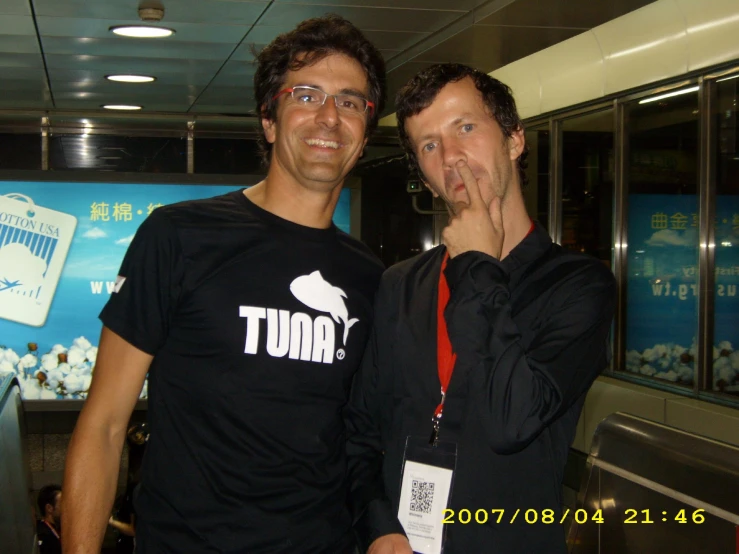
(421, 90)
(47, 495)
(308, 43)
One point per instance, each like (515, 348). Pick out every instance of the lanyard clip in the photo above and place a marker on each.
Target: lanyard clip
(434, 438)
(436, 420)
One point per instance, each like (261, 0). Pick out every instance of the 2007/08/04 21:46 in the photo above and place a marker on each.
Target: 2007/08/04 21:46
(581, 516)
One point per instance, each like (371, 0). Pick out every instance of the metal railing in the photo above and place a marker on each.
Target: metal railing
(17, 526)
(649, 488)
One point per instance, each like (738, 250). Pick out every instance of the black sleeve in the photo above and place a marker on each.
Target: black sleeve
(372, 511)
(519, 392)
(148, 285)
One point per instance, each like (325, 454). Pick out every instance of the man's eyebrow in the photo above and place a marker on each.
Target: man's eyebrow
(456, 121)
(353, 91)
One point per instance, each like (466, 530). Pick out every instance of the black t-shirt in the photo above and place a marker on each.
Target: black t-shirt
(48, 542)
(257, 326)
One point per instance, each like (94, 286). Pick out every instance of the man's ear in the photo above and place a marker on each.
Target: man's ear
(516, 143)
(268, 125)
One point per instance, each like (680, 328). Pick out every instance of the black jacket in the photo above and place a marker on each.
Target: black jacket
(48, 542)
(531, 335)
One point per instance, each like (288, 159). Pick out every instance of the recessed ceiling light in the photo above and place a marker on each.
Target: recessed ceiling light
(130, 78)
(142, 31)
(121, 107)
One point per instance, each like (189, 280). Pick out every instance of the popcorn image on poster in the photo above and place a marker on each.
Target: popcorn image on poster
(34, 242)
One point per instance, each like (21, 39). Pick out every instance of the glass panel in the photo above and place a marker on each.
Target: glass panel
(228, 156)
(726, 301)
(20, 151)
(390, 225)
(115, 153)
(662, 255)
(587, 184)
(536, 191)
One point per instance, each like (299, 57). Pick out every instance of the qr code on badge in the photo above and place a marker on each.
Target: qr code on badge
(422, 496)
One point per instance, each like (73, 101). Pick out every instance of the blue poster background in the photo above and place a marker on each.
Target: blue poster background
(662, 287)
(108, 215)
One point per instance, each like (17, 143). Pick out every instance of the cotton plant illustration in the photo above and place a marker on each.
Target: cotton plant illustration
(61, 373)
(675, 363)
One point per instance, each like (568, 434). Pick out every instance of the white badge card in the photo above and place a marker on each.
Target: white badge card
(425, 491)
(34, 242)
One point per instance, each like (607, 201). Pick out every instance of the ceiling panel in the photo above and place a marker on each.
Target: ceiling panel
(394, 40)
(134, 49)
(181, 11)
(487, 48)
(136, 65)
(15, 7)
(458, 5)
(386, 19)
(10, 59)
(33, 85)
(161, 105)
(16, 25)
(30, 98)
(582, 14)
(207, 65)
(19, 44)
(81, 78)
(99, 28)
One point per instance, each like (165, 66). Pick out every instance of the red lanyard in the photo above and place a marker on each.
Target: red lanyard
(51, 527)
(445, 356)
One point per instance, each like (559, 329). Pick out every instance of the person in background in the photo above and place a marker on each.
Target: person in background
(124, 520)
(249, 312)
(483, 349)
(48, 527)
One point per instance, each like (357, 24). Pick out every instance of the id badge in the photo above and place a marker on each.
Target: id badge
(425, 491)
(34, 242)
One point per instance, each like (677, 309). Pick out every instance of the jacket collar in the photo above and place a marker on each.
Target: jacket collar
(532, 247)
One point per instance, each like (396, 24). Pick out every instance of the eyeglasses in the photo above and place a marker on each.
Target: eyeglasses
(315, 98)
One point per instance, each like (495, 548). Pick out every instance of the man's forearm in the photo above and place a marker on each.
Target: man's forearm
(90, 480)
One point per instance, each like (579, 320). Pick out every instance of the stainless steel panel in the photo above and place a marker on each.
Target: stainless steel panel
(21, 60)
(99, 28)
(488, 48)
(458, 5)
(143, 66)
(134, 50)
(15, 7)
(17, 25)
(19, 44)
(583, 14)
(80, 78)
(658, 489)
(181, 11)
(365, 18)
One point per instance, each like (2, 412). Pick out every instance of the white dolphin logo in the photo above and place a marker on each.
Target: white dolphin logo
(317, 293)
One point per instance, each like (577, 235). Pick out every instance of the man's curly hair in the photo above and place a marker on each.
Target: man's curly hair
(308, 43)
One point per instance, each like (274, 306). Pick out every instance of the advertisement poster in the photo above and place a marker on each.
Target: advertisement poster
(662, 288)
(61, 246)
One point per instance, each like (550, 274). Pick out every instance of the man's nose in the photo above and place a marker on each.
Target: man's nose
(328, 113)
(452, 152)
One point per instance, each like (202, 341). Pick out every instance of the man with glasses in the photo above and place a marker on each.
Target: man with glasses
(249, 312)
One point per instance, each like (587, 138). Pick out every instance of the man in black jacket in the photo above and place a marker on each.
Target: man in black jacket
(512, 328)
(50, 511)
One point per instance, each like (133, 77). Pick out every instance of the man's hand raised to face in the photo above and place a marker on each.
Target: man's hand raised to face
(474, 226)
